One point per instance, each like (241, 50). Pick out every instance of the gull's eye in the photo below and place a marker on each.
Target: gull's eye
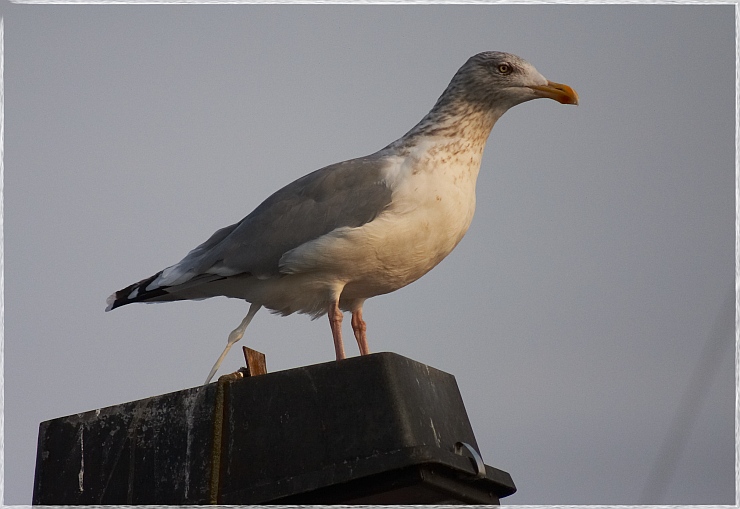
(504, 68)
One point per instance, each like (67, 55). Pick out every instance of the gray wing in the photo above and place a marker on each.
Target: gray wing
(350, 193)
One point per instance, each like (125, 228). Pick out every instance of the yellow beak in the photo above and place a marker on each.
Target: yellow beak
(561, 93)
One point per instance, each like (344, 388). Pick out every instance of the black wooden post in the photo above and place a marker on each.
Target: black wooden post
(377, 429)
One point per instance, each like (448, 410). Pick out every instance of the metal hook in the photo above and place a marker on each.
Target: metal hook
(479, 465)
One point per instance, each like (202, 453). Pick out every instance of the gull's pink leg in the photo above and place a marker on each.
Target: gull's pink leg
(360, 329)
(335, 321)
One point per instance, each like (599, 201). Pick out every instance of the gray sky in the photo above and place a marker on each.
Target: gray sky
(574, 312)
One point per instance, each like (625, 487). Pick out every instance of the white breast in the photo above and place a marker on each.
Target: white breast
(432, 206)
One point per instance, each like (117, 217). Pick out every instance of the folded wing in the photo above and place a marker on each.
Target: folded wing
(347, 194)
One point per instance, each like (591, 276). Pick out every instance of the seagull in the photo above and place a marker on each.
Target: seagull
(328, 241)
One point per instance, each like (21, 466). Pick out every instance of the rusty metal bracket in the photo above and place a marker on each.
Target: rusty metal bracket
(255, 365)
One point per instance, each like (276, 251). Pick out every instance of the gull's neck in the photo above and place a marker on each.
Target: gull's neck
(452, 120)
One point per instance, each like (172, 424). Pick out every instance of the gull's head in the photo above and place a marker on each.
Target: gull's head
(501, 80)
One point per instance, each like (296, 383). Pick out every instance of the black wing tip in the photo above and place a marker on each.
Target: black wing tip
(123, 297)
